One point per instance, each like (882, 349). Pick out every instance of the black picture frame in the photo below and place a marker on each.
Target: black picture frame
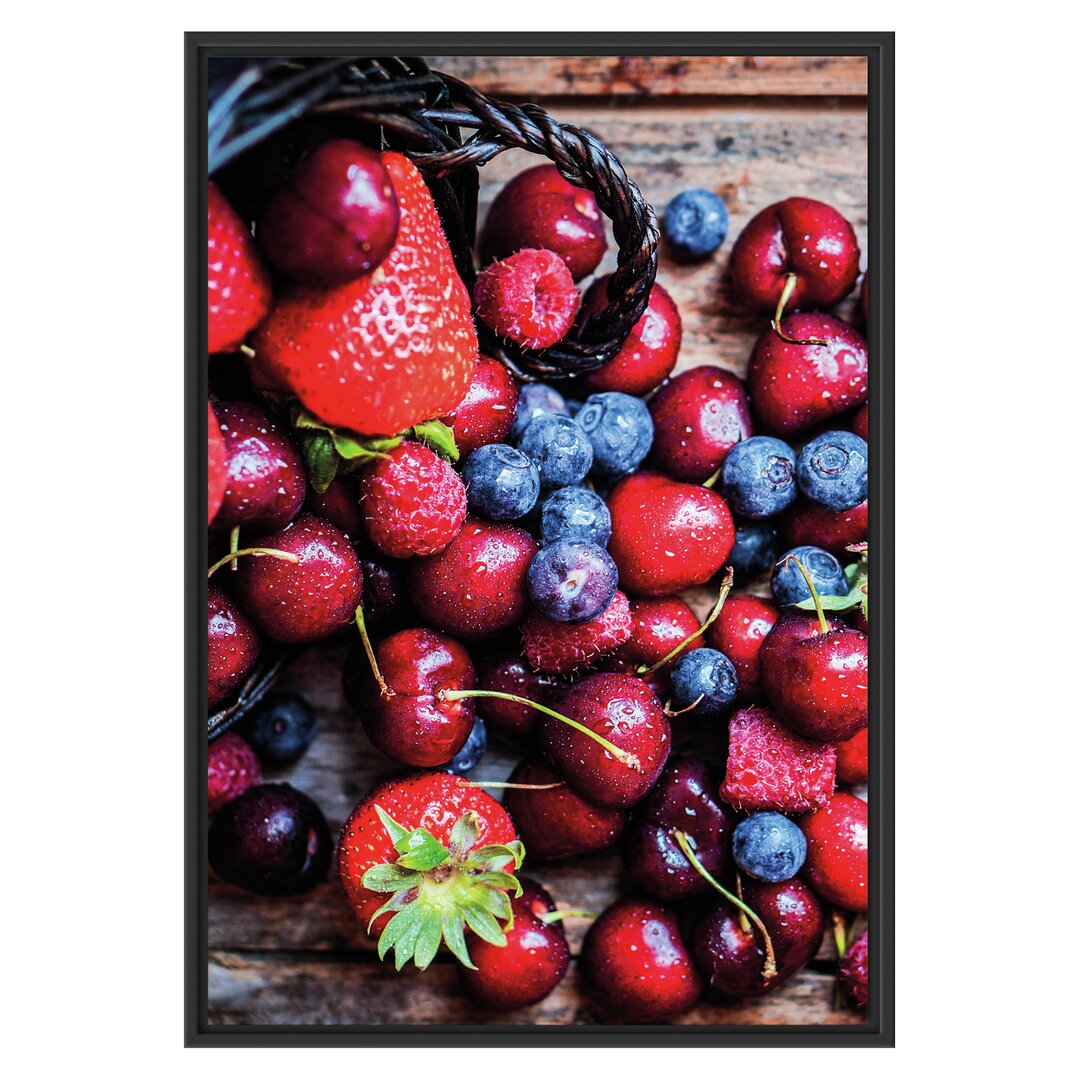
(879, 49)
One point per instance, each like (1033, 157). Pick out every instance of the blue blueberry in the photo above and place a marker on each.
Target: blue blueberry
(769, 846)
(620, 429)
(280, 728)
(757, 547)
(572, 581)
(559, 448)
(575, 513)
(704, 672)
(758, 477)
(502, 483)
(534, 399)
(468, 757)
(832, 470)
(695, 223)
(788, 584)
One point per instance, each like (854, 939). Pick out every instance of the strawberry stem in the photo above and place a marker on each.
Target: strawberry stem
(284, 556)
(384, 691)
(822, 621)
(789, 287)
(725, 589)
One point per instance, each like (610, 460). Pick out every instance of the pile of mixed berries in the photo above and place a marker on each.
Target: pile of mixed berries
(507, 559)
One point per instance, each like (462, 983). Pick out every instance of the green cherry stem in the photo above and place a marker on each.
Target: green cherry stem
(672, 713)
(565, 913)
(769, 969)
(725, 588)
(629, 760)
(744, 922)
(234, 545)
(507, 784)
(839, 933)
(789, 287)
(712, 481)
(384, 691)
(284, 556)
(822, 621)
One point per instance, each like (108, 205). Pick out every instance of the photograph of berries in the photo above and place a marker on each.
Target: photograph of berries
(538, 396)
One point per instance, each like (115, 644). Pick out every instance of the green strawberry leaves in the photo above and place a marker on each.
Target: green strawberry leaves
(328, 450)
(435, 435)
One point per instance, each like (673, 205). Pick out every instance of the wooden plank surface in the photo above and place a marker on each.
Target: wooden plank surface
(305, 959)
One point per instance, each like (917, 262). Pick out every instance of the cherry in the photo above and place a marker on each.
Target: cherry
(340, 505)
(535, 899)
(860, 423)
(807, 523)
(486, 413)
(540, 208)
(740, 628)
(523, 971)
(555, 822)
(509, 673)
(232, 646)
(336, 218)
(837, 852)
(306, 599)
(404, 716)
(665, 535)
(648, 355)
(684, 798)
(266, 484)
(637, 963)
(795, 387)
(730, 950)
(699, 416)
(659, 625)
(217, 475)
(799, 246)
(386, 605)
(864, 299)
(853, 759)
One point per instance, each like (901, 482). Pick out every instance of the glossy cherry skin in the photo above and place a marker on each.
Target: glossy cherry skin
(340, 505)
(336, 218)
(667, 536)
(648, 355)
(413, 725)
(837, 851)
(853, 758)
(557, 823)
(798, 387)
(217, 474)
(659, 625)
(684, 798)
(699, 416)
(816, 682)
(864, 299)
(266, 483)
(625, 712)
(739, 631)
(486, 413)
(509, 673)
(797, 236)
(733, 958)
(304, 601)
(232, 646)
(637, 964)
(527, 968)
(386, 604)
(477, 586)
(860, 423)
(808, 523)
(539, 208)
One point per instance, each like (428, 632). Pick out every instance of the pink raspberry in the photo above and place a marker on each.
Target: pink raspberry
(528, 298)
(557, 648)
(855, 970)
(769, 768)
(231, 768)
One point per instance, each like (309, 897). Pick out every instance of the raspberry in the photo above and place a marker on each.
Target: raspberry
(413, 502)
(529, 298)
(231, 768)
(769, 768)
(557, 648)
(855, 971)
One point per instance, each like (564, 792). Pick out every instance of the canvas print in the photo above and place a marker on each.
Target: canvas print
(538, 509)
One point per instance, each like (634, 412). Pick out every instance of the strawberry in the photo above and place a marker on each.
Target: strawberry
(217, 473)
(435, 854)
(237, 282)
(392, 348)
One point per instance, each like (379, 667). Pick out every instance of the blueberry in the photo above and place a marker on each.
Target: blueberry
(534, 399)
(620, 429)
(757, 547)
(832, 470)
(502, 483)
(695, 223)
(280, 728)
(788, 584)
(705, 674)
(468, 757)
(572, 581)
(559, 448)
(758, 477)
(575, 513)
(769, 846)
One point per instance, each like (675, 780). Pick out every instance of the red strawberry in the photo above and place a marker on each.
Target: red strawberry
(558, 648)
(237, 284)
(231, 768)
(435, 852)
(217, 476)
(391, 349)
(768, 768)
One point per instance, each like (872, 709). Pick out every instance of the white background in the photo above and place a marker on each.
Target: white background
(986, 411)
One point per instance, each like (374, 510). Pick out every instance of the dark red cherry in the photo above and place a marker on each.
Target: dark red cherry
(864, 298)
(217, 474)
(860, 423)
(386, 604)
(486, 413)
(739, 631)
(837, 851)
(659, 625)
(807, 523)
(508, 673)
(232, 646)
(340, 505)
(853, 759)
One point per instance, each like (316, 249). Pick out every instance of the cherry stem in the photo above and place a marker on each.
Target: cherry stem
(789, 287)
(234, 545)
(670, 712)
(462, 782)
(839, 933)
(725, 588)
(284, 556)
(629, 760)
(550, 917)
(684, 842)
(824, 623)
(248, 351)
(744, 922)
(384, 691)
(711, 482)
